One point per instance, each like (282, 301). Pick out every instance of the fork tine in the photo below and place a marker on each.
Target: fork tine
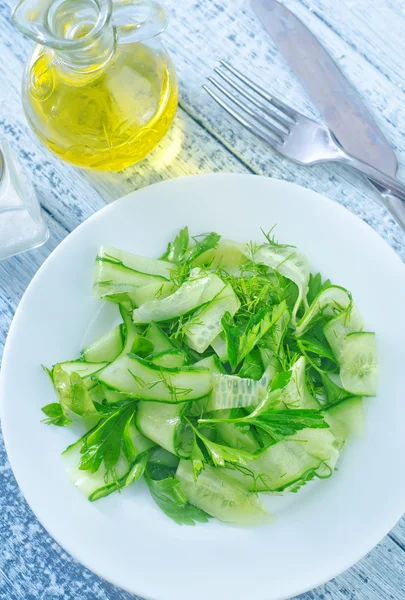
(290, 112)
(273, 128)
(242, 120)
(276, 116)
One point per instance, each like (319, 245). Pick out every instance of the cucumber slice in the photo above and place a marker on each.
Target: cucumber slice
(97, 393)
(204, 326)
(112, 396)
(219, 347)
(139, 378)
(199, 407)
(86, 370)
(152, 291)
(358, 364)
(287, 261)
(346, 420)
(169, 359)
(231, 391)
(228, 255)
(284, 464)
(197, 291)
(112, 279)
(161, 342)
(105, 348)
(330, 302)
(233, 436)
(90, 483)
(130, 330)
(163, 424)
(212, 363)
(94, 485)
(220, 495)
(349, 321)
(270, 362)
(161, 457)
(148, 266)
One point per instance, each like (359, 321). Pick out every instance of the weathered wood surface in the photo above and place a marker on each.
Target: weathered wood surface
(366, 39)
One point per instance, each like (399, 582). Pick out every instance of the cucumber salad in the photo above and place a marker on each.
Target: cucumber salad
(234, 372)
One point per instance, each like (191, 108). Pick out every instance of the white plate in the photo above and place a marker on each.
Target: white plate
(125, 538)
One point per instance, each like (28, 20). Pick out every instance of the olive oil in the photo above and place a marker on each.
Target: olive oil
(107, 117)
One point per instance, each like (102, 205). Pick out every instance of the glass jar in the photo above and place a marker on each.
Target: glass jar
(21, 224)
(99, 91)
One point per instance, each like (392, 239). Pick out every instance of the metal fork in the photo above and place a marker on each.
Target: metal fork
(288, 131)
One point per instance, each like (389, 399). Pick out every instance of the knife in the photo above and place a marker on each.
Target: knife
(335, 98)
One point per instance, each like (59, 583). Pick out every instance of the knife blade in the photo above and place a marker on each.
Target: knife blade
(335, 98)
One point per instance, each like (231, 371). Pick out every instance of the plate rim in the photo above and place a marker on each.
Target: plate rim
(100, 214)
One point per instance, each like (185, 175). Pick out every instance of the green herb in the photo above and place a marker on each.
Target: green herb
(252, 366)
(137, 469)
(177, 249)
(197, 459)
(104, 443)
(280, 381)
(238, 343)
(73, 397)
(279, 424)
(180, 252)
(271, 240)
(203, 243)
(55, 415)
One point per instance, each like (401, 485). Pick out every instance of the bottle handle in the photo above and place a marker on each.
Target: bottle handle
(138, 20)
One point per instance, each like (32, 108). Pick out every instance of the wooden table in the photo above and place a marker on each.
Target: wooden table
(366, 38)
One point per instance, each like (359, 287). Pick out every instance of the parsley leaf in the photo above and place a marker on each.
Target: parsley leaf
(55, 415)
(279, 424)
(73, 397)
(179, 252)
(183, 256)
(197, 459)
(178, 248)
(252, 366)
(104, 442)
(232, 337)
(241, 344)
(280, 380)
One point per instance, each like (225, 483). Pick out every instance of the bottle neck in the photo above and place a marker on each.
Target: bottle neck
(95, 52)
(80, 32)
